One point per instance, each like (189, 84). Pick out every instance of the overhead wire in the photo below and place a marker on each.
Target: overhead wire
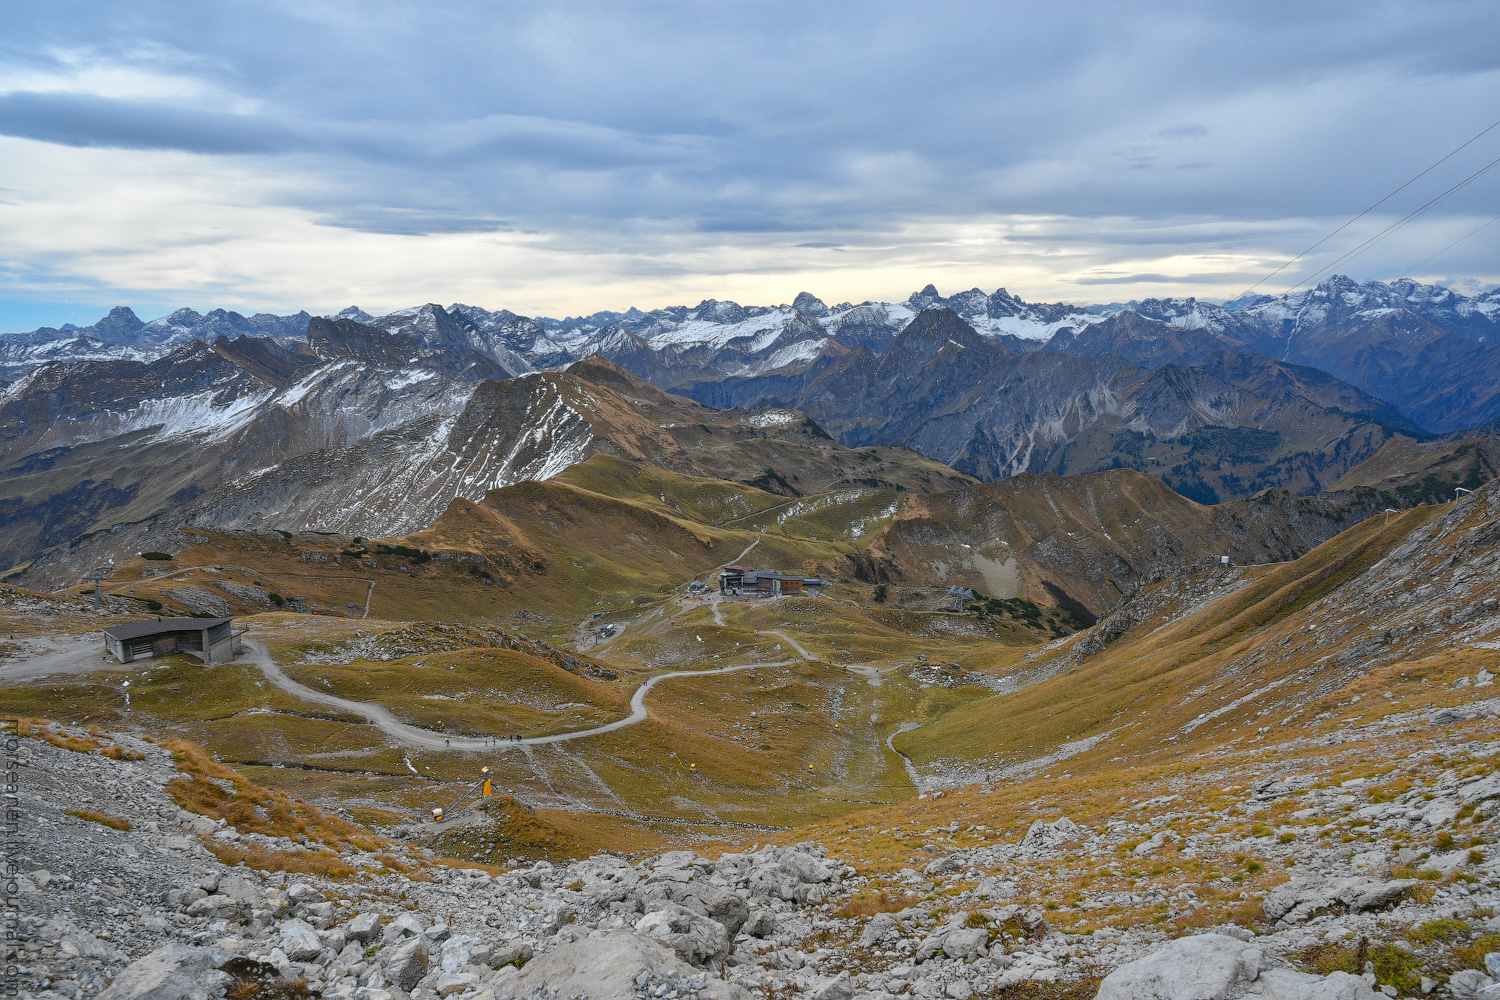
(1372, 208)
(1445, 249)
(1391, 228)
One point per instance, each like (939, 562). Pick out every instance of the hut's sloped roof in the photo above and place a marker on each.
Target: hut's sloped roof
(156, 626)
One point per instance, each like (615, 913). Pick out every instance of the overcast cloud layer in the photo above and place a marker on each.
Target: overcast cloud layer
(563, 158)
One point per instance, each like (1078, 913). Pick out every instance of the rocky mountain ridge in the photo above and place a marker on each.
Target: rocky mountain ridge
(1229, 427)
(87, 444)
(715, 339)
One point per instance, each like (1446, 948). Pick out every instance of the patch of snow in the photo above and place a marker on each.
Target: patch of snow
(410, 377)
(773, 418)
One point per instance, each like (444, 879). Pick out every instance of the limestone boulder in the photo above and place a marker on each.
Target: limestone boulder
(171, 972)
(695, 938)
(607, 966)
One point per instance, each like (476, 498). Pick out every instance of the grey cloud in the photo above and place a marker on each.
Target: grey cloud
(822, 121)
(1150, 279)
(1184, 131)
(87, 120)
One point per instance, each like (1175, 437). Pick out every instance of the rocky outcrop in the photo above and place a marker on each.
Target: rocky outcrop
(171, 972)
(1302, 898)
(1219, 967)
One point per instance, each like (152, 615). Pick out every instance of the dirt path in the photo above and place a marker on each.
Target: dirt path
(758, 513)
(736, 560)
(911, 769)
(416, 736)
(60, 654)
(790, 641)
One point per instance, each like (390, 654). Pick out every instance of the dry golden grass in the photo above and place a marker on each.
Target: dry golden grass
(252, 808)
(515, 830)
(294, 862)
(113, 822)
(50, 732)
(867, 904)
(474, 691)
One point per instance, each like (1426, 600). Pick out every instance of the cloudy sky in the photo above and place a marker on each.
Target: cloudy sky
(560, 158)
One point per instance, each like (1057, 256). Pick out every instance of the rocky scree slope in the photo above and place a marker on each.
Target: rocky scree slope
(140, 906)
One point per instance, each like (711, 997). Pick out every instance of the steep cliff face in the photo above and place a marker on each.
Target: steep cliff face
(1228, 427)
(87, 444)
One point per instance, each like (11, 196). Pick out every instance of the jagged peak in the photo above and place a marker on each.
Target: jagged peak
(809, 303)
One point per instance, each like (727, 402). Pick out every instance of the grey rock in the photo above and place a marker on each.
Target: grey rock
(450, 983)
(840, 987)
(967, 943)
(699, 896)
(1286, 984)
(405, 964)
(944, 866)
(883, 929)
(333, 940)
(84, 945)
(302, 893)
(760, 923)
(1219, 967)
(696, 938)
(171, 972)
(1047, 836)
(605, 967)
(299, 940)
(364, 927)
(456, 952)
(1467, 984)
(217, 907)
(1203, 967)
(1305, 897)
(511, 952)
(405, 925)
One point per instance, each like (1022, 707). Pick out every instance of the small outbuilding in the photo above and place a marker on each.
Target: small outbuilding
(212, 640)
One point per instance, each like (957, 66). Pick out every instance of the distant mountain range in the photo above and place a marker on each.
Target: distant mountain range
(1426, 350)
(376, 425)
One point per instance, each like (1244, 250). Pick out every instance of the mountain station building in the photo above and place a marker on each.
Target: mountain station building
(212, 640)
(765, 582)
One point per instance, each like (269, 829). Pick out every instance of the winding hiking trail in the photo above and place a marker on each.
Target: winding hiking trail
(416, 736)
(790, 641)
(911, 769)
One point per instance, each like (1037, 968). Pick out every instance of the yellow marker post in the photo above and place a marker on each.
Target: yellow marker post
(487, 792)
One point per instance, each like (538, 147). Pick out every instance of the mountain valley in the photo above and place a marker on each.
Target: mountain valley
(957, 648)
